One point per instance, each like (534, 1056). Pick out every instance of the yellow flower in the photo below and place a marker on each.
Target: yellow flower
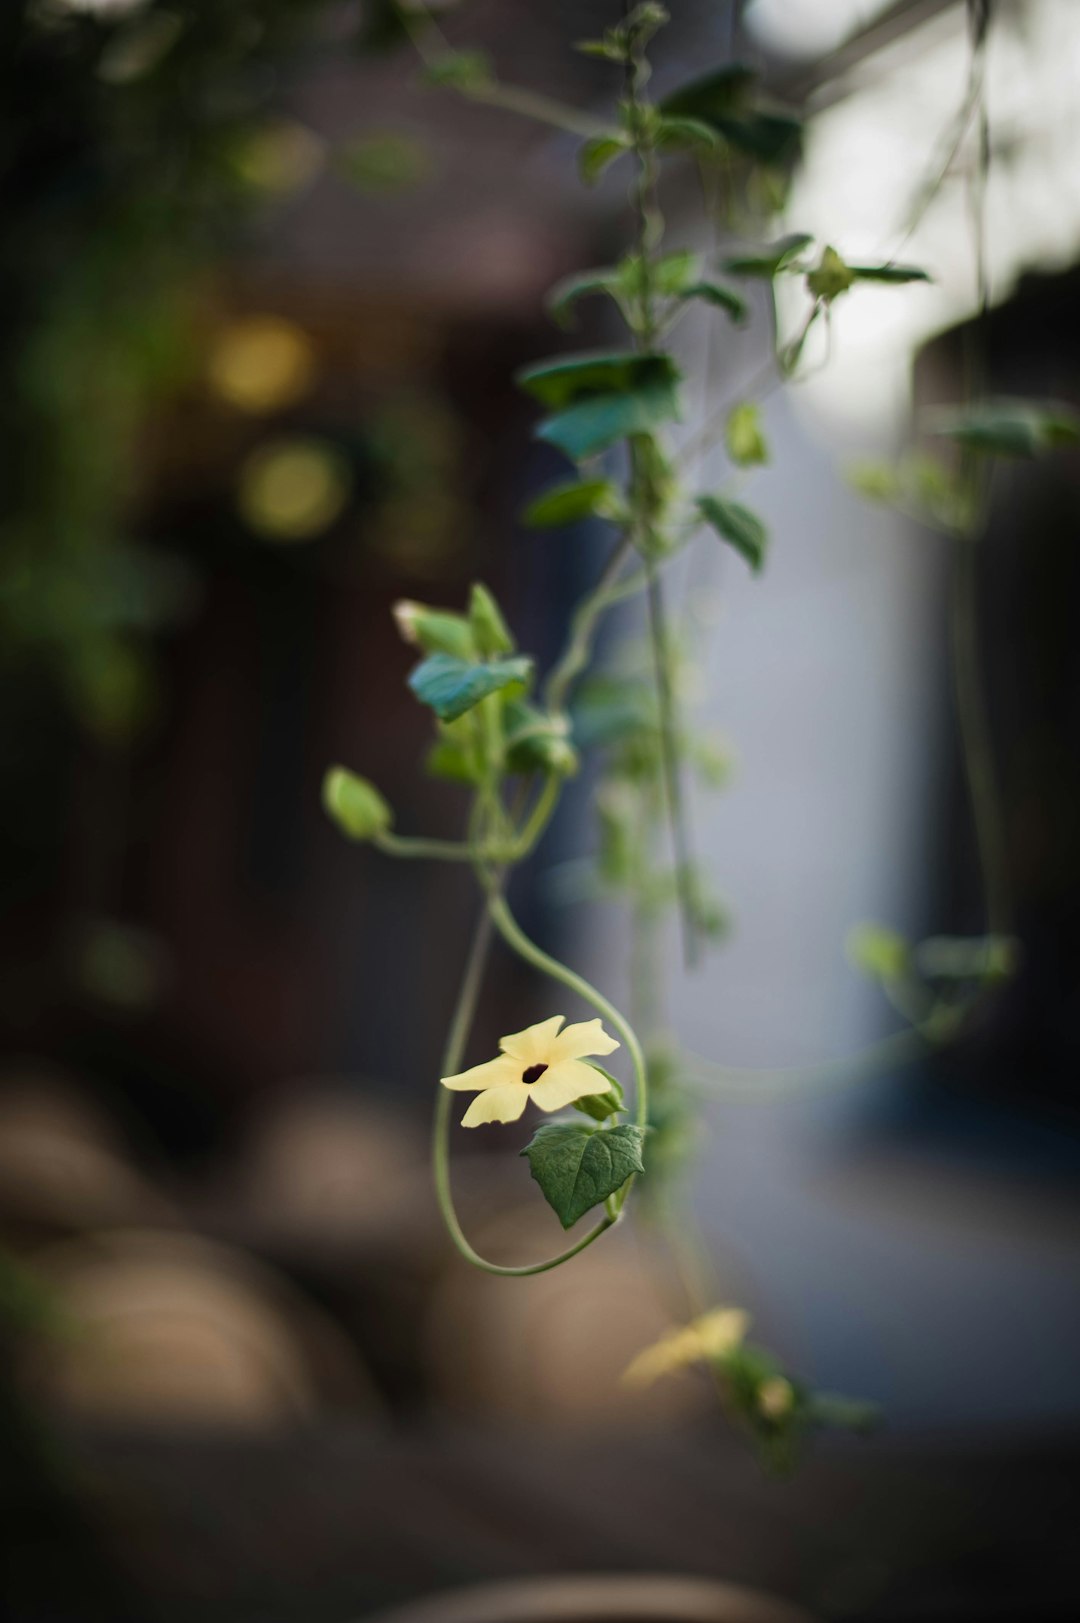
(715, 1333)
(541, 1063)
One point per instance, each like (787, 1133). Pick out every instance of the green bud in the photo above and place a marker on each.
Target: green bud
(830, 277)
(435, 631)
(490, 631)
(355, 805)
(744, 437)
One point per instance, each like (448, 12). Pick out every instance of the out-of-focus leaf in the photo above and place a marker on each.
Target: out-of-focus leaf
(599, 399)
(435, 631)
(881, 953)
(491, 634)
(718, 94)
(1009, 427)
(744, 436)
(570, 502)
(771, 260)
(738, 526)
(598, 152)
(890, 273)
(723, 298)
(461, 70)
(536, 741)
(452, 686)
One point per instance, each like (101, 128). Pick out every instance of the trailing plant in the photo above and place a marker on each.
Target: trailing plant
(512, 735)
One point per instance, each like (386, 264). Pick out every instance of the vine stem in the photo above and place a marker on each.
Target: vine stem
(650, 235)
(453, 1054)
(421, 25)
(680, 830)
(519, 942)
(576, 654)
(791, 1082)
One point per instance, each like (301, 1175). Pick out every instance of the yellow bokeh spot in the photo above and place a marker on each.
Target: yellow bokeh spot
(262, 364)
(280, 157)
(294, 489)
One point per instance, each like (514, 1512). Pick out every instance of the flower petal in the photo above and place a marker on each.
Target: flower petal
(721, 1330)
(533, 1046)
(497, 1104)
(492, 1074)
(564, 1082)
(586, 1037)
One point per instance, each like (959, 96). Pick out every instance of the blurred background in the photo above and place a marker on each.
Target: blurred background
(261, 294)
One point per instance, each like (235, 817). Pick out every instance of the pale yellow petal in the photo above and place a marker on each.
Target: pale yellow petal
(721, 1330)
(492, 1074)
(586, 1037)
(565, 1082)
(674, 1350)
(717, 1332)
(505, 1103)
(533, 1045)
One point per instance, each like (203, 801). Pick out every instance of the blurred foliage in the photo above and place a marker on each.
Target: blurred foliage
(135, 140)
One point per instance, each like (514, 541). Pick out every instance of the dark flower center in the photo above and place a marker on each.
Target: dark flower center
(534, 1073)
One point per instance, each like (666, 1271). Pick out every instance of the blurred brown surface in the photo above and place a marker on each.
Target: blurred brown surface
(334, 1522)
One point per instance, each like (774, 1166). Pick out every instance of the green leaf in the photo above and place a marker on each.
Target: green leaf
(669, 275)
(490, 631)
(719, 94)
(599, 399)
(724, 298)
(461, 70)
(560, 382)
(772, 260)
(877, 481)
(609, 710)
(598, 152)
(890, 273)
(737, 525)
(592, 426)
(355, 805)
(771, 138)
(966, 958)
(537, 741)
(600, 1106)
(685, 134)
(453, 761)
(570, 502)
(830, 277)
(724, 100)
(1009, 427)
(608, 48)
(561, 298)
(436, 631)
(881, 953)
(578, 1167)
(625, 282)
(744, 436)
(452, 686)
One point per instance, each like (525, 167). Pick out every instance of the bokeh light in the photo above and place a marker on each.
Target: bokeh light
(293, 489)
(262, 364)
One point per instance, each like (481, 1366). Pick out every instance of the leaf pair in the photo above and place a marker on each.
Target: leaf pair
(596, 400)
